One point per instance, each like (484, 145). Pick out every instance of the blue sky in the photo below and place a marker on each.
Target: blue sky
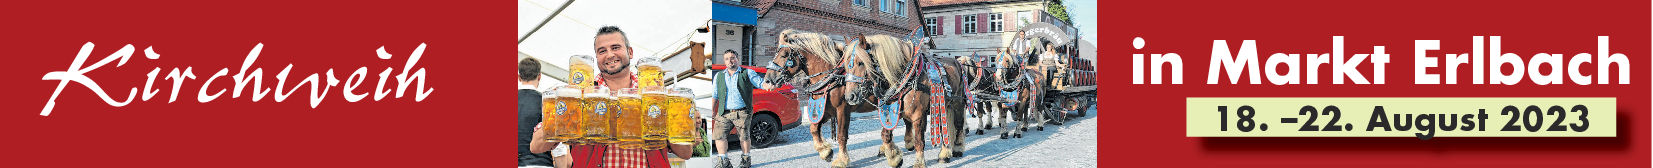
(1084, 15)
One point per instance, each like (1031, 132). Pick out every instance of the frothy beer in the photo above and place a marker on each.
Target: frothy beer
(648, 72)
(548, 112)
(563, 121)
(580, 70)
(654, 116)
(682, 116)
(600, 105)
(628, 125)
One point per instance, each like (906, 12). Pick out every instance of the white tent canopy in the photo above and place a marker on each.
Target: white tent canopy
(654, 28)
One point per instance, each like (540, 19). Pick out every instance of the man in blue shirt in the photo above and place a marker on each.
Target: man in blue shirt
(734, 106)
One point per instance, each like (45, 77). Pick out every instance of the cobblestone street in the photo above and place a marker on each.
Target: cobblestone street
(1069, 145)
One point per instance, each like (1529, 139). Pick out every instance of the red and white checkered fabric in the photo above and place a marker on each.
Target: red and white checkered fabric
(626, 158)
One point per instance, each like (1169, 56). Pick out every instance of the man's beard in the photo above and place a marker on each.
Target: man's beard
(616, 70)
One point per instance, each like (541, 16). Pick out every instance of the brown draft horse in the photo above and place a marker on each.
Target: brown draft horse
(979, 73)
(811, 61)
(891, 75)
(984, 84)
(1014, 76)
(815, 62)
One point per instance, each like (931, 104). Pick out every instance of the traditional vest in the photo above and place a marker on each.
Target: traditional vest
(745, 88)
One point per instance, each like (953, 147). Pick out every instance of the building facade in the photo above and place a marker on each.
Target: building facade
(982, 27)
(839, 18)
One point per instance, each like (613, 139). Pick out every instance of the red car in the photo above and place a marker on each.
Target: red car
(773, 112)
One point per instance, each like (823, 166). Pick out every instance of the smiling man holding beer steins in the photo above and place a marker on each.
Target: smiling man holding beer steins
(613, 60)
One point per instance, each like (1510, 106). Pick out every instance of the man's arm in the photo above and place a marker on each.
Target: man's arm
(757, 80)
(683, 151)
(538, 144)
(687, 151)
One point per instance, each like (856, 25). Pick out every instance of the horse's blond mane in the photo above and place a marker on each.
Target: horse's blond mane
(891, 54)
(818, 44)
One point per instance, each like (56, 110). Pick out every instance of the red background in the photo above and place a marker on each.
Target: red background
(465, 122)
(1145, 126)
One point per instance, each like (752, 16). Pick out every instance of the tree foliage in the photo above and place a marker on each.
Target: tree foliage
(1056, 9)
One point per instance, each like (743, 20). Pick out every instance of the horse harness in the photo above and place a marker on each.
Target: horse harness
(832, 76)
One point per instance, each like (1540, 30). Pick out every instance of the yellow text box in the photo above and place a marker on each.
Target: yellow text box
(1404, 117)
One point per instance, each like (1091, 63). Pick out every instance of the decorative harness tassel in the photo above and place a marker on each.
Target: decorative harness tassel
(938, 108)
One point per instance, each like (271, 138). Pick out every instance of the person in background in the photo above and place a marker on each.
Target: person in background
(529, 116)
(1050, 62)
(734, 107)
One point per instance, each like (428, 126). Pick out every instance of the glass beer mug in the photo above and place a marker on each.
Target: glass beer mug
(682, 116)
(599, 105)
(654, 117)
(648, 72)
(564, 120)
(580, 70)
(548, 112)
(628, 125)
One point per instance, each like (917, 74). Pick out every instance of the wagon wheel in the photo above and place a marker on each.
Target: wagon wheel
(1082, 105)
(1055, 109)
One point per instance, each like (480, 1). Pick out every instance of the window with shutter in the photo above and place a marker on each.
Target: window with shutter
(981, 22)
(1012, 25)
(995, 22)
(930, 26)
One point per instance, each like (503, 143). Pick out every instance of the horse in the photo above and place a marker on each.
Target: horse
(894, 72)
(982, 83)
(1023, 106)
(813, 62)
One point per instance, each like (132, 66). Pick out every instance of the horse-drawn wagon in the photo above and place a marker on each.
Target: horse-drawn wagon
(1040, 78)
